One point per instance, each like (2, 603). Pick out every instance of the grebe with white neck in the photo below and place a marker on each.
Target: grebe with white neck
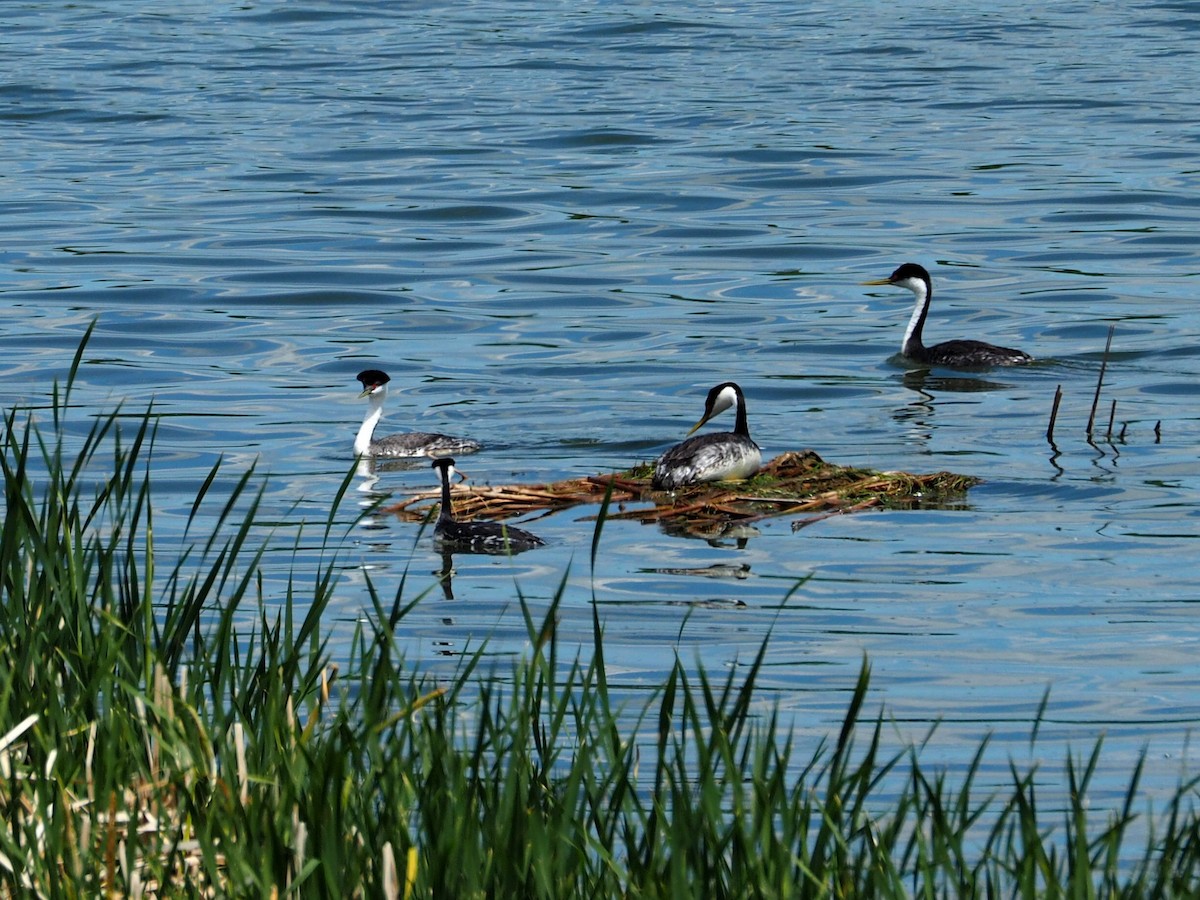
(475, 537)
(964, 354)
(396, 446)
(719, 456)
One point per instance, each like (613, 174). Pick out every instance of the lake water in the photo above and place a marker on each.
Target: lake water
(557, 225)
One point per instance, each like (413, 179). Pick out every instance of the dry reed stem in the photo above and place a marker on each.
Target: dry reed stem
(1100, 380)
(390, 878)
(1054, 413)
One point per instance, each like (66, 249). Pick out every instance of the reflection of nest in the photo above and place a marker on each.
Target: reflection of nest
(789, 484)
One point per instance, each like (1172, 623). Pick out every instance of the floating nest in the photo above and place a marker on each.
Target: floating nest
(789, 484)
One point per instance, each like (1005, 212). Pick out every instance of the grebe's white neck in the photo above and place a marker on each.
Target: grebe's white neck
(916, 322)
(362, 442)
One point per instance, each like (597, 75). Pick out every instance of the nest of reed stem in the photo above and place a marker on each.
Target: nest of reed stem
(789, 484)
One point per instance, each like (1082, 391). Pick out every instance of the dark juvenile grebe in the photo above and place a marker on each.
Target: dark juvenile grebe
(720, 456)
(416, 443)
(475, 537)
(959, 354)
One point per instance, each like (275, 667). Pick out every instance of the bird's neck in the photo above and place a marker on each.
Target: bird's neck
(362, 443)
(740, 425)
(445, 514)
(913, 345)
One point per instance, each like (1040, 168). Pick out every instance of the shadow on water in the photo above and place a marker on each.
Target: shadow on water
(924, 381)
(719, 534)
(739, 571)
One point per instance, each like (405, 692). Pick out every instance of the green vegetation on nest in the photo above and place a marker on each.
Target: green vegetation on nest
(152, 743)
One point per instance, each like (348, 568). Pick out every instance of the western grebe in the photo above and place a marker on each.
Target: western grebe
(416, 443)
(961, 354)
(475, 537)
(720, 456)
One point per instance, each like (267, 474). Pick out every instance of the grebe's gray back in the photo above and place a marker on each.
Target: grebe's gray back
(475, 537)
(395, 446)
(719, 456)
(964, 354)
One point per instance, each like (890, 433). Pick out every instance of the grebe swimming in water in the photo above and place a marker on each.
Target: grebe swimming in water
(958, 354)
(719, 456)
(475, 537)
(394, 446)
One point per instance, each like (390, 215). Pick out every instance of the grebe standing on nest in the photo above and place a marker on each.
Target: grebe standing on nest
(720, 456)
(958, 354)
(475, 537)
(395, 446)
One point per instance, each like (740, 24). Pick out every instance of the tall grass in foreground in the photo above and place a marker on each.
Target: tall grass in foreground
(150, 747)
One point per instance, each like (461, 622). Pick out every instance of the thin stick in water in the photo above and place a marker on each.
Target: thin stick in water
(1053, 414)
(1100, 380)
